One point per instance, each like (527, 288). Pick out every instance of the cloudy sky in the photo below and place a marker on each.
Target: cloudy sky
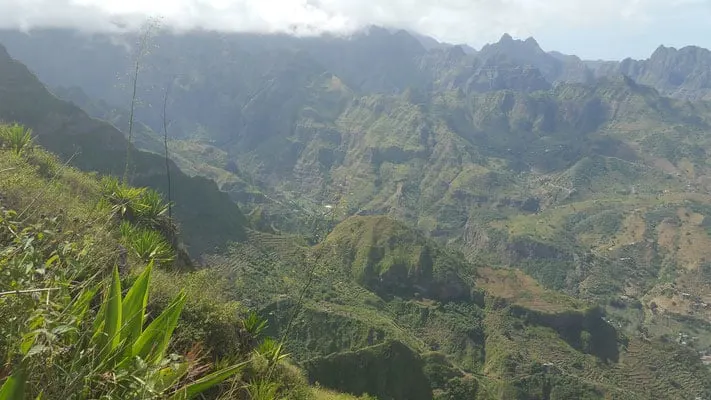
(609, 29)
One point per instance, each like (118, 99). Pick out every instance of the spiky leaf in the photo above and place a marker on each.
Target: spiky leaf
(154, 340)
(112, 316)
(193, 389)
(134, 306)
(14, 386)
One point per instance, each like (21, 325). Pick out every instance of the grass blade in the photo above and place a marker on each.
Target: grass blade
(112, 317)
(14, 386)
(193, 389)
(134, 306)
(98, 325)
(82, 304)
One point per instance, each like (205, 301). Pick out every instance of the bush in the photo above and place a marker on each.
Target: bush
(210, 317)
(147, 244)
(16, 137)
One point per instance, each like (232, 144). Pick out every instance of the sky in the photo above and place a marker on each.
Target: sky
(592, 29)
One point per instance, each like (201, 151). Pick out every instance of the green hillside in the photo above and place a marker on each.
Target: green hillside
(61, 235)
(207, 221)
(496, 332)
(505, 224)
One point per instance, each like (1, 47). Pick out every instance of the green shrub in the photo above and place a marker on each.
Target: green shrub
(124, 199)
(150, 209)
(147, 244)
(16, 137)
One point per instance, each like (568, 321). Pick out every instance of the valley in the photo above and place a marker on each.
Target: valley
(507, 223)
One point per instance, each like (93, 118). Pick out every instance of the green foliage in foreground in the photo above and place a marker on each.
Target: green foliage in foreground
(118, 346)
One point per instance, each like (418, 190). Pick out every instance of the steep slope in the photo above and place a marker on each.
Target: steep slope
(207, 220)
(59, 231)
(387, 257)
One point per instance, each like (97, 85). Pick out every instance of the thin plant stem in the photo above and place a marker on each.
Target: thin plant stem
(165, 143)
(26, 291)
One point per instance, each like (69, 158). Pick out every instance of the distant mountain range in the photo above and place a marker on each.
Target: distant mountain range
(377, 59)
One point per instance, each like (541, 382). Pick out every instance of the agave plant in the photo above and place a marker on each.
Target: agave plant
(121, 346)
(148, 244)
(151, 209)
(263, 390)
(254, 324)
(124, 199)
(16, 137)
(271, 350)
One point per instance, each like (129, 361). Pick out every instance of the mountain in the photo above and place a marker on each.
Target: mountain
(382, 298)
(431, 43)
(541, 230)
(376, 59)
(523, 53)
(67, 230)
(682, 73)
(207, 221)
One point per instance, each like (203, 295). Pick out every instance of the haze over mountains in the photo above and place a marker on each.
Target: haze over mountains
(603, 29)
(676, 72)
(528, 218)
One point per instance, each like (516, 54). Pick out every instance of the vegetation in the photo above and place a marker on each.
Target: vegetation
(206, 222)
(77, 313)
(15, 137)
(530, 233)
(511, 338)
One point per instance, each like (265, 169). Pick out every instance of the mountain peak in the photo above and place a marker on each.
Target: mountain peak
(663, 50)
(531, 41)
(3, 52)
(511, 44)
(456, 52)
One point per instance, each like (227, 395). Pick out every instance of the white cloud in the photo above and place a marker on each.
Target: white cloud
(462, 21)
